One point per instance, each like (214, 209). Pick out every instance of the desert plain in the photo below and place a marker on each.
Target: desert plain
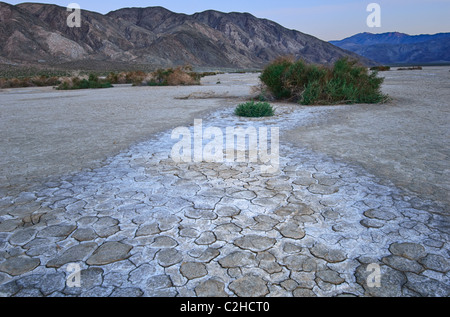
(86, 178)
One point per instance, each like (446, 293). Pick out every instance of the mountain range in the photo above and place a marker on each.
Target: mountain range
(38, 33)
(399, 48)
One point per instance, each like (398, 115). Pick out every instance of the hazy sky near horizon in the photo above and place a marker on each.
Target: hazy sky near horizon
(325, 19)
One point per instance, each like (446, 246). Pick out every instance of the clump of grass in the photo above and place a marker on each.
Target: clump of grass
(344, 83)
(254, 110)
(130, 77)
(35, 81)
(180, 76)
(82, 79)
(93, 82)
(381, 68)
(161, 77)
(411, 68)
(66, 80)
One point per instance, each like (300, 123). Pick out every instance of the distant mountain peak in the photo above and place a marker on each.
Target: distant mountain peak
(399, 48)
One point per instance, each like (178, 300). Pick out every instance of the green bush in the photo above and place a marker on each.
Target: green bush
(344, 83)
(274, 77)
(254, 110)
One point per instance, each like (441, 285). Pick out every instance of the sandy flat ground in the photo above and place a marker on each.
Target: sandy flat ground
(357, 185)
(46, 133)
(406, 140)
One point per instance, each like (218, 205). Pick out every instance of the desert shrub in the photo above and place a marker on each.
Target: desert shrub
(65, 85)
(174, 77)
(181, 77)
(411, 68)
(36, 81)
(344, 83)
(113, 78)
(53, 81)
(381, 68)
(135, 77)
(44, 81)
(39, 81)
(254, 110)
(274, 77)
(16, 83)
(4, 83)
(160, 77)
(93, 82)
(79, 80)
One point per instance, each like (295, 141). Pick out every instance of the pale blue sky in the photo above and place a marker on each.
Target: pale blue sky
(325, 19)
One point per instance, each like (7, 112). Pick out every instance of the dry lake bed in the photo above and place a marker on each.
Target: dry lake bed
(92, 204)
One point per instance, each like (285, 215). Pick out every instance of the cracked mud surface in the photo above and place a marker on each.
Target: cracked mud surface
(140, 224)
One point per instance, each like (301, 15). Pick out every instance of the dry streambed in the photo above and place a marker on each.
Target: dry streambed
(139, 224)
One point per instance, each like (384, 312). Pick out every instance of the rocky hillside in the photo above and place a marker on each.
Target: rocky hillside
(33, 33)
(399, 48)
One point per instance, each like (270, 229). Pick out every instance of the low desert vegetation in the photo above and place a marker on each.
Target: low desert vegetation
(131, 77)
(93, 82)
(82, 80)
(254, 109)
(9, 72)
(35, 81)
(344, 83)
(161, 77)
(180, 76)
(411, 68)
(381, 68)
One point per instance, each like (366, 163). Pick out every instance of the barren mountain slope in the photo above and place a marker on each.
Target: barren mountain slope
(32, 33)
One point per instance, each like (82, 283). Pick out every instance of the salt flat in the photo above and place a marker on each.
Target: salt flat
(405, 140)
(45, 132)
(359, 187)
